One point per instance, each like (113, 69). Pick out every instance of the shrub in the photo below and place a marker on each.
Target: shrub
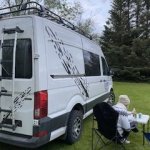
(132, 74)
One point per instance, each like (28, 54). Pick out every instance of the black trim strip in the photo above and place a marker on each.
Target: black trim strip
(51, 124)
(91, 104)
(66, 76)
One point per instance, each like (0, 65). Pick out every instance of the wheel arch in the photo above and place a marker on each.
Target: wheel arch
(76, 103)
(111, 89)
(111, 96)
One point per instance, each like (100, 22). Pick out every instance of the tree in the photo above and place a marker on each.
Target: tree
(126, 38)
(145, 19)
(63, 9)
(117, 36)
(86, 26)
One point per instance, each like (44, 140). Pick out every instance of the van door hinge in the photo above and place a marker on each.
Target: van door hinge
(36, 56)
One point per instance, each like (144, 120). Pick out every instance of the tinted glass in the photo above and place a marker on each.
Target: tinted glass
(92, 64)
(23, 58)
(105, 67)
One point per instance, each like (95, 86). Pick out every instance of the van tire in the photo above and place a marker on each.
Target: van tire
(111, 99)
(74, 128)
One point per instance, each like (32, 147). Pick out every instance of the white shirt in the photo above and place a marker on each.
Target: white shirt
(123, 120)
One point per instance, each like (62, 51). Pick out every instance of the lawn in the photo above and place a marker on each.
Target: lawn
(139, 93)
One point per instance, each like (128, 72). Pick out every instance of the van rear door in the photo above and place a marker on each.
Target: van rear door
(17, 108)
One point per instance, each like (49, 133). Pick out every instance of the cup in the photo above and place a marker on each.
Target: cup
(140, 115)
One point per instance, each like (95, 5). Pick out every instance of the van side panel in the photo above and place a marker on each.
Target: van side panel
(65, 67)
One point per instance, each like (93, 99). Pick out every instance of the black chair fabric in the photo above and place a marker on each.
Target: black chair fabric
(107, 119)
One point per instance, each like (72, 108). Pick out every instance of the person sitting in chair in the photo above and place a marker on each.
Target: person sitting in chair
(126, 120)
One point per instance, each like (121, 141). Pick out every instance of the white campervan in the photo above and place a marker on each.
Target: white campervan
(50, 77)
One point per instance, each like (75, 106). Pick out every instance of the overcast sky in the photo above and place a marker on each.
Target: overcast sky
(97, 10)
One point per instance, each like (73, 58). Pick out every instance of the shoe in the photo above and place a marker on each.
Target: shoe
(122, 141)
(127, 142)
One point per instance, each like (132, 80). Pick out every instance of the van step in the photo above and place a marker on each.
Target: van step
(5, 110)
(13, 127)
(6, 78)
(5, 94)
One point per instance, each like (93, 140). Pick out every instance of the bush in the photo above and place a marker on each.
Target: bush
(132, 74)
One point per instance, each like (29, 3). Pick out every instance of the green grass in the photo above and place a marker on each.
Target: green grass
(139, 93)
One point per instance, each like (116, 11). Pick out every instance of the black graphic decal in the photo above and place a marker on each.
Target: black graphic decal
(67, 61)
(18, 101)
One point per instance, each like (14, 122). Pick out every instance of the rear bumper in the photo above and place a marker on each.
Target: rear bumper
(45, 124)
(32, 142)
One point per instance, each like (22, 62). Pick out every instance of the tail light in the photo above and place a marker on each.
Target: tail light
(40, 104)
(41, 134)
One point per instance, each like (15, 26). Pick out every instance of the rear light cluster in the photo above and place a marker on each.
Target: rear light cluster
(41, 134)
(40, 104)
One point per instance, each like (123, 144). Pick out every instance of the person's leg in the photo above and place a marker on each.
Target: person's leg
(125, 134)
(133, 125)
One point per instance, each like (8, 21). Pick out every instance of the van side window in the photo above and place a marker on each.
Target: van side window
(105, 67)
(23, 59)
(92, 64)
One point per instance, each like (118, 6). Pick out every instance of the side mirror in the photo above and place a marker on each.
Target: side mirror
(111, 72)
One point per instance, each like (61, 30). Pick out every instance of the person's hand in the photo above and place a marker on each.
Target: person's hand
(133, 111)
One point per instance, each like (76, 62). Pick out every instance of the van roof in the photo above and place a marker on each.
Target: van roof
(33, 8)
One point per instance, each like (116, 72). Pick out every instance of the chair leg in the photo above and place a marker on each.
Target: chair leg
(98, 139)
(117, 147)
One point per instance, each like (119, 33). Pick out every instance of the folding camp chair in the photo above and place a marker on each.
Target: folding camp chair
(147, 136)
(106, 129)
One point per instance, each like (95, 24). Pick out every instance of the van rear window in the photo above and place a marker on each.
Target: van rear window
(23, 58)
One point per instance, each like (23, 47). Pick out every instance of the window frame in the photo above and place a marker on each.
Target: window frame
(104, 62)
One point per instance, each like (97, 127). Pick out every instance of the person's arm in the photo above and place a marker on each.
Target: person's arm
(133, 112)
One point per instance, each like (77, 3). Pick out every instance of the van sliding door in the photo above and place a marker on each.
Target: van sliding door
(93, 76)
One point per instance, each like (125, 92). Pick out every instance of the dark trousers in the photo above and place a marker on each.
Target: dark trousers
(125, 134)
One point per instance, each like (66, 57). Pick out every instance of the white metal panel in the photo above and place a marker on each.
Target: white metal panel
(40, 53)
(96, 84)
(65, 61)
(91, 46)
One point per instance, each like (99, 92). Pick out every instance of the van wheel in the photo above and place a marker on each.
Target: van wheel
(74, 128)
(111, 99)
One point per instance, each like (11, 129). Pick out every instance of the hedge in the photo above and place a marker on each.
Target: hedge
(132, 74)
